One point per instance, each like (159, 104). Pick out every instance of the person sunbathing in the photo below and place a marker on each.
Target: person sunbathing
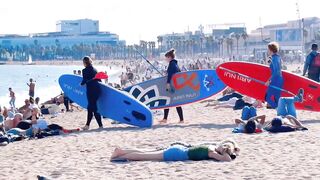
(10, 123)
(252, 125)
(284, 124)
(286, 120)
(224, 151)
(236, 103)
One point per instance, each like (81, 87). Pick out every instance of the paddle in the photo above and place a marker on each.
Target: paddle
(148, 62)
(256, 80)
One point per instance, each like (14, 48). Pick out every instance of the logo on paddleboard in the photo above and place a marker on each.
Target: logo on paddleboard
(208, 82)
(150, 96)
(183, 80)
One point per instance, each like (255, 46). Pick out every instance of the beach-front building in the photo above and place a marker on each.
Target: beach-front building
(232, 40)
(71, 36)
(80, 26)
(295, 37)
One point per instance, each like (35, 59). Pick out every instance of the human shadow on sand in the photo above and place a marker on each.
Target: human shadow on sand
(157, 126)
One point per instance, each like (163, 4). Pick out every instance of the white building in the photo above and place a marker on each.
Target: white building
(80, 26)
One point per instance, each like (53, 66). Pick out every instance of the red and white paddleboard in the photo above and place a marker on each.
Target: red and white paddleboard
(249, 78)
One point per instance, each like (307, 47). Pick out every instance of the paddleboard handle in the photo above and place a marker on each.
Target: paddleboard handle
(256, 80)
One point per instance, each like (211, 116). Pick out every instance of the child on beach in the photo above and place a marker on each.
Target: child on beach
(172, 69)
(224, 151)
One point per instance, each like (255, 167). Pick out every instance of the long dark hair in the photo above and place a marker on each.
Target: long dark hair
(87, 61)
(170, 54)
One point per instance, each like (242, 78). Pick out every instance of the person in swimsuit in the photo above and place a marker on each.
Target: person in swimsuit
(12, 99)
(32, 86)
(224, 151)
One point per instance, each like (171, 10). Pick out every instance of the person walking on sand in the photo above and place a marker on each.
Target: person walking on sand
(32, 86)
(172, 69)
(276, 79)
(93, 91)
(310, 64)
(12, 99)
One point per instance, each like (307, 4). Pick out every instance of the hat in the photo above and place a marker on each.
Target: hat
(276, 122)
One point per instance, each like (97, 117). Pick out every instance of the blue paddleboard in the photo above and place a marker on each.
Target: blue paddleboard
(186, 87)
(112, 103)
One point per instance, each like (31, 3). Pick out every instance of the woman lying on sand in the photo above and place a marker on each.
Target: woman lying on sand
(224, 151)
(236, 103)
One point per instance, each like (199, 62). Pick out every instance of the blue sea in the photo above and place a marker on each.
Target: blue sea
(46, 77)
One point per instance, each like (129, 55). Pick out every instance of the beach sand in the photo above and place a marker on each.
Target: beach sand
(85, 155)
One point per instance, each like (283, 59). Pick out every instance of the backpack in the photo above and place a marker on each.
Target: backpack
(316, 60)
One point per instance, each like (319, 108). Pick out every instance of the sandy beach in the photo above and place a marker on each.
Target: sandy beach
(85, 155)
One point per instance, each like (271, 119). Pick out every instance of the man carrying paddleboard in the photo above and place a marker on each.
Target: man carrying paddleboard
(310, 64)
(93, 91)
(276, 79)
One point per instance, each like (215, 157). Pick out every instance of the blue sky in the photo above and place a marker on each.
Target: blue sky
(145, 19)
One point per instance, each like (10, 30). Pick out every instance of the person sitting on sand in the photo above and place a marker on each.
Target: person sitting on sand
(224, 151)
(10, 123)
(25, 109)
(37, 101)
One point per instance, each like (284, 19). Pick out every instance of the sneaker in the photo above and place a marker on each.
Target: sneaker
(85, 128)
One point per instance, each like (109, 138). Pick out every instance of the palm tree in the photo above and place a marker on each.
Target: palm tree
(221, 48)
(245, 37)
(237, 36)
(229, 42)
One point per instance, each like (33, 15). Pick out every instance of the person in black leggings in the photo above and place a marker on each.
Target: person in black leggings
(93, 91)
(172, 69)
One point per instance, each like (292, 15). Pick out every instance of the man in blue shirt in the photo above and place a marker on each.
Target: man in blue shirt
(313, 71)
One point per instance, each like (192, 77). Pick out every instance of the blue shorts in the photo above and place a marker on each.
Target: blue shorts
(176, 153)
